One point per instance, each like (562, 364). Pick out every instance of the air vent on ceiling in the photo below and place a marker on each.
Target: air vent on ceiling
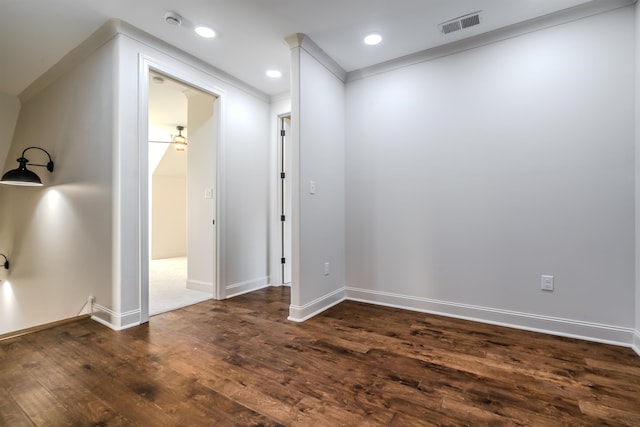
(460, 23)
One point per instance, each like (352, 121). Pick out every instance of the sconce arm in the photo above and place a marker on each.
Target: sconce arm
(49, 164)
(6, 261)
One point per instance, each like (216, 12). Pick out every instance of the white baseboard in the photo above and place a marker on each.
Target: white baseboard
(299, 313)
(114, 320)
(247, 286)
(200, 286)
(532, 322)
(636, 342)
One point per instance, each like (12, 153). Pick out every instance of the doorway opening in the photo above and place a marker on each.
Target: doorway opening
(285, 197)
(181, 183)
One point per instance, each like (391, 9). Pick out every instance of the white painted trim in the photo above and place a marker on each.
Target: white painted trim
(303, 41)
(114, 320)
(295, 176)
(197, 285)
(589, 331)
(636, 335)
(553, 19)
(636, 342)
(144, 255)
(275, 236)
(247, 286)
(202, 81)
(284, 96)
(109, 30)
(273, 199)
(220, 117)
(182, 56)
(301, 313)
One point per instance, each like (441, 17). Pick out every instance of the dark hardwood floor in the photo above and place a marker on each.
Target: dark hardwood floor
(240, 362)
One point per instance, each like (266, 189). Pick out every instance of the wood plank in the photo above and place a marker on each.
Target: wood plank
(160, 394)
(43, 408)
(240, 362)
(10, 412)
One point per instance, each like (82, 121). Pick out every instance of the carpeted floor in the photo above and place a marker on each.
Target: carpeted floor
(168, 286)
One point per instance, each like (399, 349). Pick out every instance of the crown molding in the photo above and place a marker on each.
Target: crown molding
(108, 31)
(303, 41)
(571, 14)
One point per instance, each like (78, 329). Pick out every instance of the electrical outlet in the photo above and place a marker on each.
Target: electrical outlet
(546, 283)
(326, 268)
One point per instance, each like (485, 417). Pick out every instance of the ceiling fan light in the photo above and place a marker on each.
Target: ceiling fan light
(179, 141)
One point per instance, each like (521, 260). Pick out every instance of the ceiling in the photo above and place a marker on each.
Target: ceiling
(35, 34)
(168, 107)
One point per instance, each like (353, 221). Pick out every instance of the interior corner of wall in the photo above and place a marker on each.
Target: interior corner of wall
(636, 342)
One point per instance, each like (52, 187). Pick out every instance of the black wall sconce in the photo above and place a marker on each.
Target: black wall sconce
(22, 175)
(6, 262)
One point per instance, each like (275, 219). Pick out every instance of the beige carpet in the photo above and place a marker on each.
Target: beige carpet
(168, 286)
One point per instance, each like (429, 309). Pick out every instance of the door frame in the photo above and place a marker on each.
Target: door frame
(285, 162)
(203, 82)
(280, 107)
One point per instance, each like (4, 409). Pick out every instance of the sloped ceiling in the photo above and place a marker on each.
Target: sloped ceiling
(168, 108)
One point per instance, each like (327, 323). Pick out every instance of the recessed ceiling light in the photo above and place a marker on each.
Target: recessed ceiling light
(205, 32)
(274, 74)
(373, 39)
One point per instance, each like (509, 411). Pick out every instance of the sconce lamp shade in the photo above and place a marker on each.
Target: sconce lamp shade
(179, 141)
(23, 176)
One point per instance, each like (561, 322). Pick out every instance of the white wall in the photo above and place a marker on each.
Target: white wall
(80, 235)
(318, 99)
(169, 216)
(471, 175)
(243, 136)
(201, 176)
(637, 164)
(58, 237)
(245, 257)
(9, 109)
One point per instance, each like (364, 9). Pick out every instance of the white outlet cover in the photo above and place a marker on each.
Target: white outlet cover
(546, 283)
